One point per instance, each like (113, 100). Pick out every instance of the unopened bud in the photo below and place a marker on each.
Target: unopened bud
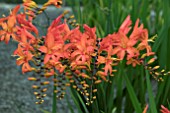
(35, 87)
(32, 78)
(94, 97)
(45, 83)
(156, 67)
(44, 90)
(97, 81)
(151, 61)
(95, 90)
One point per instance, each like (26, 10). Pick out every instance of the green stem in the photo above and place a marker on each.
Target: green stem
(54, 106)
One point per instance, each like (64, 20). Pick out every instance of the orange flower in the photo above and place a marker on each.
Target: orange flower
(9, 26)
(164, 109)
(7, 32)
(108, 61)
(21, 19)
(24, 36)
(144, 44)
(12, 17)
(49, 47)
(141, 34)
(55, 41)
(107, 42)
(24, 58)
(125, 45)
(82, 55)
(90, 33)
(138, 32)
(126, 25)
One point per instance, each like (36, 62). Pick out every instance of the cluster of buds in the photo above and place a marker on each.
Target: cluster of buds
(77, 59)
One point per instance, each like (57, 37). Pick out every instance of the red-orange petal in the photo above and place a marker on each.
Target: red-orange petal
(43, 49)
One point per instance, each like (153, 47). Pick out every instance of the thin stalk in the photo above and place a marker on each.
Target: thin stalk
(48, 18)
(54, 106)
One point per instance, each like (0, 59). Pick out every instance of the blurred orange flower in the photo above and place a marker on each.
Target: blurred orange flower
(164, 109)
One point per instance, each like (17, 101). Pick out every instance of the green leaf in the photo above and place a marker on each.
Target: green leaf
(150, 93)
(82, 102)
(133, 97)
(75, 99)
(69, 105)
